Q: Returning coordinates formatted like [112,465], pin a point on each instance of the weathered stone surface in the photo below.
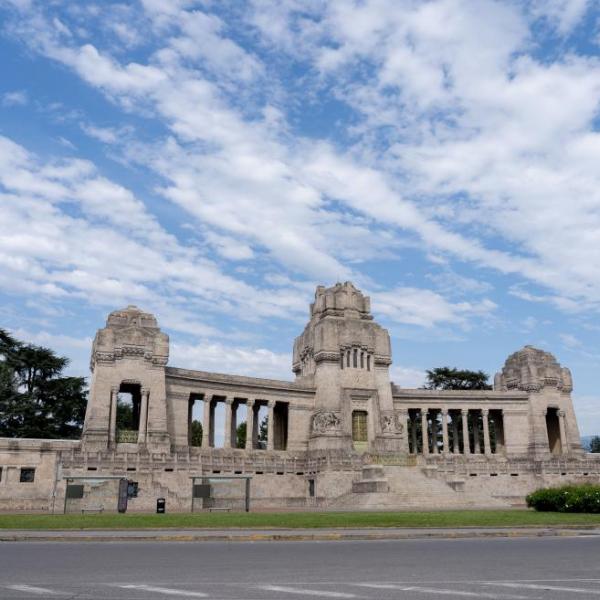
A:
[339,435]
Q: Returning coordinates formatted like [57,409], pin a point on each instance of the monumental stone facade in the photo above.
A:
[341,435]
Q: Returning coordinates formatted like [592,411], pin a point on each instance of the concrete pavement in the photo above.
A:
[504,569]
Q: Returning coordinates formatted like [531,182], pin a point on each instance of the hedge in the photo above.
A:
[569,498]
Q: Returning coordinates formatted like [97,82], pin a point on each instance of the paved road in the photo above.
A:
[506,569]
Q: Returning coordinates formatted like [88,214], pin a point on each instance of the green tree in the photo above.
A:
[263,432]
[196,433]
[36,400]
[446,378]
[595,444]
[240,435]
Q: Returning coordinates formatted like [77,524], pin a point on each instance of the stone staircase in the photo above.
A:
[372,480]
[410,488]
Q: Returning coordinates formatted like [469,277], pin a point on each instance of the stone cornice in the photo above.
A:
[253,386]
[407,394]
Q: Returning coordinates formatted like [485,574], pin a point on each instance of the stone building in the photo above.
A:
[341,435]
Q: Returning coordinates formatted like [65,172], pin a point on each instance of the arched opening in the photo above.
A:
[196,426]
[129,401]
[553,429]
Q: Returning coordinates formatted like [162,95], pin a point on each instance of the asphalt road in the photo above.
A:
[506,569]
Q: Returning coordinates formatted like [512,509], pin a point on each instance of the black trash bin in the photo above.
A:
[160,505]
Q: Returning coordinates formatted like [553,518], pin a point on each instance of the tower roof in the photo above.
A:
[341,300]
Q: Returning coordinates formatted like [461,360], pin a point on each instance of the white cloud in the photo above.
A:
[570,341]
[407,377]
[108,135]
[426,308]
[220,358]
[16,98]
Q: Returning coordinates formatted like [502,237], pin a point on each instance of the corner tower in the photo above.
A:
[346,356]
[129,356]
[553,426]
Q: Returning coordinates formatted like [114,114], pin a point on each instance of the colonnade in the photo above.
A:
[231,405]
[463,431]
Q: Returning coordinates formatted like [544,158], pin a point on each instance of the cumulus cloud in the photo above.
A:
[451,134]
[221,358]
[426,308]
[16,98]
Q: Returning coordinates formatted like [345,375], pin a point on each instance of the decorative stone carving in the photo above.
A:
[531,370]
[387,424]
[399,420]
[325,422]
[132,334]
[392,423]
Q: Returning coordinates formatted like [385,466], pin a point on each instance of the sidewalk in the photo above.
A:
[260,535]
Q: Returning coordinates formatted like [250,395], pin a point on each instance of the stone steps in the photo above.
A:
[409,488]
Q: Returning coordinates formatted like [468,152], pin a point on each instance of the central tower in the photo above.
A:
[346,356]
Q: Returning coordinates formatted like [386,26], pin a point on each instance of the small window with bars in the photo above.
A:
[359,426]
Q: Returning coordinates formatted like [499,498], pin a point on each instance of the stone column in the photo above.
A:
[143,416]
[434,432]
[112,426]
[255,427]
[465,427]
[487,447]
[445,449]
[455,444]
[424,431]
[563,432]
[271,426]
[250,424]
[206,422]
[228,413]
[476,444]
[413,433]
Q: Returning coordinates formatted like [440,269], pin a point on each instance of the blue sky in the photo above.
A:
[212,162]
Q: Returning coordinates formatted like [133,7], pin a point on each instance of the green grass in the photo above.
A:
[471,518]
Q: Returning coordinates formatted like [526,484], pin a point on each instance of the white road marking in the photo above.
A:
[443,592]
[293,590]
[162,590]
[31,589]
[549,588]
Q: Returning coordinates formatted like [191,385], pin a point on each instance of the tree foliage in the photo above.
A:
[263,432]
[595,444]
[240,435]
[36,401]
[196,433]
[447,378]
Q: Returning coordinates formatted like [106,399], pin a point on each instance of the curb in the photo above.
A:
[303,537]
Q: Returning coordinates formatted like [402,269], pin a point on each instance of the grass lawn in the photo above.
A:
[470,518]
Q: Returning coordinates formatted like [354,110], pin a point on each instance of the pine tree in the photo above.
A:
[447,378]
[36,401]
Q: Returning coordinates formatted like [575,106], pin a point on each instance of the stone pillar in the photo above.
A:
[465,427]
[143,416]
[455,444]
[563,432]
[424,431]
[206,424]
[446,449]
[413,433]
[271,426]
[112,426]
[487,447]
[476,444]
[255,427]
[228,413]
[434,432]
[250,424]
